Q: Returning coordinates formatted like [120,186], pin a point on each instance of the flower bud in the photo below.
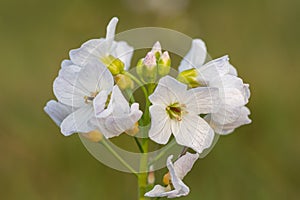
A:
[156,50]
[189,77]
[124,81]
[149,67]
[167,178]
[93,136]
[164,64]
[139,67]
[151,176]
[115,65]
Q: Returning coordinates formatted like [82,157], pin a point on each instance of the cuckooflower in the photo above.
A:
[177,171]
[219,73]
[77,87]
[118,117]
[176,110]
[106,50]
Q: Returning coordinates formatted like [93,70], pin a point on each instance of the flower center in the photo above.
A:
[89,99]
[176,110]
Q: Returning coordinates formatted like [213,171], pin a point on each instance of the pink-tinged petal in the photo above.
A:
[193,132]
[160,130]
[202,100]
[195,57]
[168,91]
[184,164]
[77,122]
[57,111]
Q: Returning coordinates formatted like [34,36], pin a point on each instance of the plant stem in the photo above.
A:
[109,148]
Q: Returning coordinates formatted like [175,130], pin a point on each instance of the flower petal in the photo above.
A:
[110,30]
[122,51]
[65,88]
[57,111]
[160,130]
[168,91]
[77,122]
[180,188]
[91,49]
[195,57]
[184,164]
[213,70]
[228,128]
[193,132]
[118,117]
[202,100]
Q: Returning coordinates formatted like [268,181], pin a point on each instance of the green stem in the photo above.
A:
[109,148]
[139,144]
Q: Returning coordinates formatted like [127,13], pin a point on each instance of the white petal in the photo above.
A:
[57,111]
[232,70]
[118,116]
[157,191]
[179,187]
[193,132]
[213,70]
[100,101]
[168,91]
[95,77]
[184,164]
[65,87]
[66,63]
[160,130]
[225,129]
[195,57]
[77,122]
[202,100]
[93,49]
[111,29]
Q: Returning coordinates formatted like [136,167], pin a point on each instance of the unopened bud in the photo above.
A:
[115,65]
[156,50]
[167,178]
[139,67]
[93,136]
[124,81]
[150,67]
[189,77]
[151,176]
[133,130]
[164,64]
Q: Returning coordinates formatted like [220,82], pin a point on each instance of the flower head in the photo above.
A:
[218,73]
[177,171]
[176,110]
[77,87]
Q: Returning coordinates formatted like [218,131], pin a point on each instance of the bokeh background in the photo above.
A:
[258,161]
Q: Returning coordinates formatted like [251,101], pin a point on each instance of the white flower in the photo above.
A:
[102,48]
[175,187]
[219,73]
[176,110]
[117,117]
[77,87]
[57,111]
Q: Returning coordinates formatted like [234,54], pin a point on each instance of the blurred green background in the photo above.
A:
[258,161]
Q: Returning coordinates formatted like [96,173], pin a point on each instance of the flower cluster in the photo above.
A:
[203,100]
